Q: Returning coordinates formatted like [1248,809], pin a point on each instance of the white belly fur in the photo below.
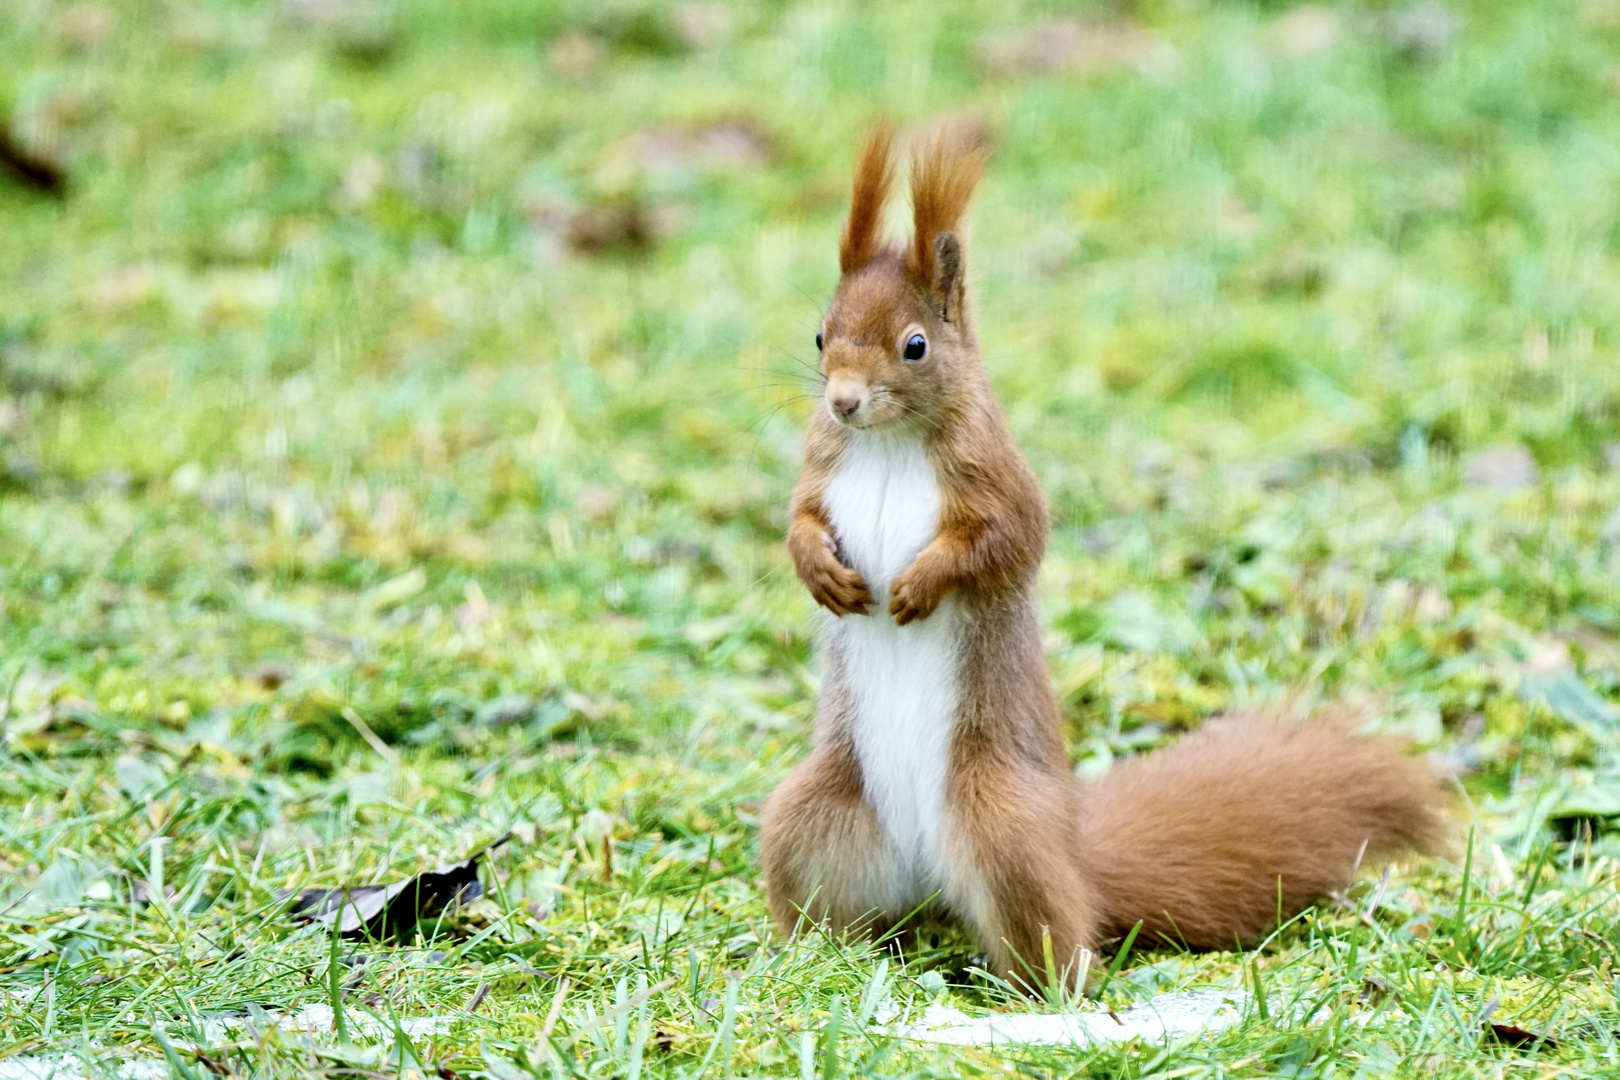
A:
[884,508]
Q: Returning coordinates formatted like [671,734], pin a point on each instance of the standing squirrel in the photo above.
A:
[938,771]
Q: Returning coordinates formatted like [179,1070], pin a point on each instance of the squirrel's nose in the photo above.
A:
[844,404]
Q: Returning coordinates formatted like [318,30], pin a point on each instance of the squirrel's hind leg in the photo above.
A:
[1013,876]
[826,857]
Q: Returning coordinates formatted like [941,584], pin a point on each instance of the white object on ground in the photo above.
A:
[73,1067]
[314,1020]
[317,1020]
[1158,1019]
[1164,1017]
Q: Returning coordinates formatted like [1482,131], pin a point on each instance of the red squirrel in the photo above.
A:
[938,773]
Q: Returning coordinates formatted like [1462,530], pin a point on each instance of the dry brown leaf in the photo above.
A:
[389,911]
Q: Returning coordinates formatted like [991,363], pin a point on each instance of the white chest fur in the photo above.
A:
[884,508]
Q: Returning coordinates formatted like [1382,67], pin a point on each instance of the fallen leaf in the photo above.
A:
[390,911]
[270,675]
[28,168]
[627,224]
[1513,1035]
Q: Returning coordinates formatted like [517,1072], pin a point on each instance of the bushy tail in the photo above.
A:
[1193,839]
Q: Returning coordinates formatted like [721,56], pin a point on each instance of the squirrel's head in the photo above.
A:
[897,342]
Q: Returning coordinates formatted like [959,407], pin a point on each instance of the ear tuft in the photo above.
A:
[874,173]
[944,171]
[948,283]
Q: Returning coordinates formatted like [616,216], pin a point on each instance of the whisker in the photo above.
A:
[758,428]
[806,391]
[774,371]
[797,359]
[798,380]
[768,417]
[820,305]
[929,420]
[792,399]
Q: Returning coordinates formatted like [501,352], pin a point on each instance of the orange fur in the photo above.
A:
[944,171]
[874,174]
[1206,840]
[1192,840]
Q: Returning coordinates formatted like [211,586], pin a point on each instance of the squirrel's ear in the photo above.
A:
[874,171]
[949,285]
[944,171]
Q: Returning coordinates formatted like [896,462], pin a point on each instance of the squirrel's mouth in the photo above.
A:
[875,417]
[875,408]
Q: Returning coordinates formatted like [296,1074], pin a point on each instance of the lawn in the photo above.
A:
[398,406]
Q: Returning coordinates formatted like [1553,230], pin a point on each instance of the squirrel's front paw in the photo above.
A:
[839,589]
[917,592]
[833,585]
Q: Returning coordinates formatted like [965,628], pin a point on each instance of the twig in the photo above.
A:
[556,1010]
[370,736]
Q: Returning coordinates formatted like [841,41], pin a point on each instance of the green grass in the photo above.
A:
[308,408]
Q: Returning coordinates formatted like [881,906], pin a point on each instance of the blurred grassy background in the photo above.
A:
[437,370]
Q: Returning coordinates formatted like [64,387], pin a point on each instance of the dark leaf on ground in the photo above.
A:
[28,168]
[388,911]
[1512,1035]
[629,224]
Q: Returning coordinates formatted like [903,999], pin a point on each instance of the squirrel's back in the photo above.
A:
[1193,839]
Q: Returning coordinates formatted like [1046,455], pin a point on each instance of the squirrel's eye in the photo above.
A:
[818,341]
[916,347]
